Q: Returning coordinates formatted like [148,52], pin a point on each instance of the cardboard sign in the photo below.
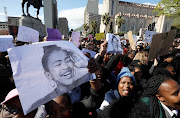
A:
[92,53]
[53,35]
[27,34]
[131,39]
[56,67]
[114,44]
[75,38]
[161,43]
[148,36]
[6,41]
[100,36]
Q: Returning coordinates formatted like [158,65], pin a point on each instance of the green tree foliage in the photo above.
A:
[119,21]
[86,27]
[106,20]
[93,25]
[170,8]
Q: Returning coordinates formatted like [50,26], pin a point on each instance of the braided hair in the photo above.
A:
[151,89]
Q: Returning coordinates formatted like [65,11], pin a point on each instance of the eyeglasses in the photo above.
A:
[9,111]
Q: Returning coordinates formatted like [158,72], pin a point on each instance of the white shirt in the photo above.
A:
[171,112]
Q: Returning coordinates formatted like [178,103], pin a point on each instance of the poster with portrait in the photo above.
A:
[27,34]
[148,36]
[53,35]
[6,41]
[161,43]
[92,53]
[43,71]
[114,44]
[75,38]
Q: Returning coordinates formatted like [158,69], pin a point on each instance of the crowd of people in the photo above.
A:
[127,85]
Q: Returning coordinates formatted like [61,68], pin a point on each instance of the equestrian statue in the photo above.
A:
[35,3]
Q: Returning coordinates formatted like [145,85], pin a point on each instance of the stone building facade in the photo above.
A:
[91,13]
[136,15]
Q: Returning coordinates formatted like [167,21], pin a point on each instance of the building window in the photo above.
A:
[124,27]
[166,27]
[144,12]
[136,12]
[141,25]
[112,9]
[132,26]
[129,10]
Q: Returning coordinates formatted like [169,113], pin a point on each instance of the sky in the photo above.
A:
[73,10]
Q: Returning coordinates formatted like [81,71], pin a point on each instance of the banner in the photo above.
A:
[56,67]
[161,43]
[27,34]
[100,36]
[75,38]
[53,35]
[6,41]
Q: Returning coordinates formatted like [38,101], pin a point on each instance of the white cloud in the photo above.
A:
[147,3]
[75,16]
[2,14]
[2,17]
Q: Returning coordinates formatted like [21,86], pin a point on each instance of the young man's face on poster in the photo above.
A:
[61,66]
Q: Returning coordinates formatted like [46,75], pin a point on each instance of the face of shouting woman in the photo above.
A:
[125,86]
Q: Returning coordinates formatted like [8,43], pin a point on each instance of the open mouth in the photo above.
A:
[66,73]
[126,91]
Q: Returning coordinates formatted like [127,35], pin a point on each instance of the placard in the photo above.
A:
[53,35]
[131,39]
[148,36]
[75,38]
[6,41]
[52,69]
[27,34]
[100,36]
[161,43]
[114,44]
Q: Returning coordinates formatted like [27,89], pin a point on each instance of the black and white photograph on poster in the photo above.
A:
[57,67]
[114,44]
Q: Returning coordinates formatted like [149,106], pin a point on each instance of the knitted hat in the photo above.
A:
[125,72]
